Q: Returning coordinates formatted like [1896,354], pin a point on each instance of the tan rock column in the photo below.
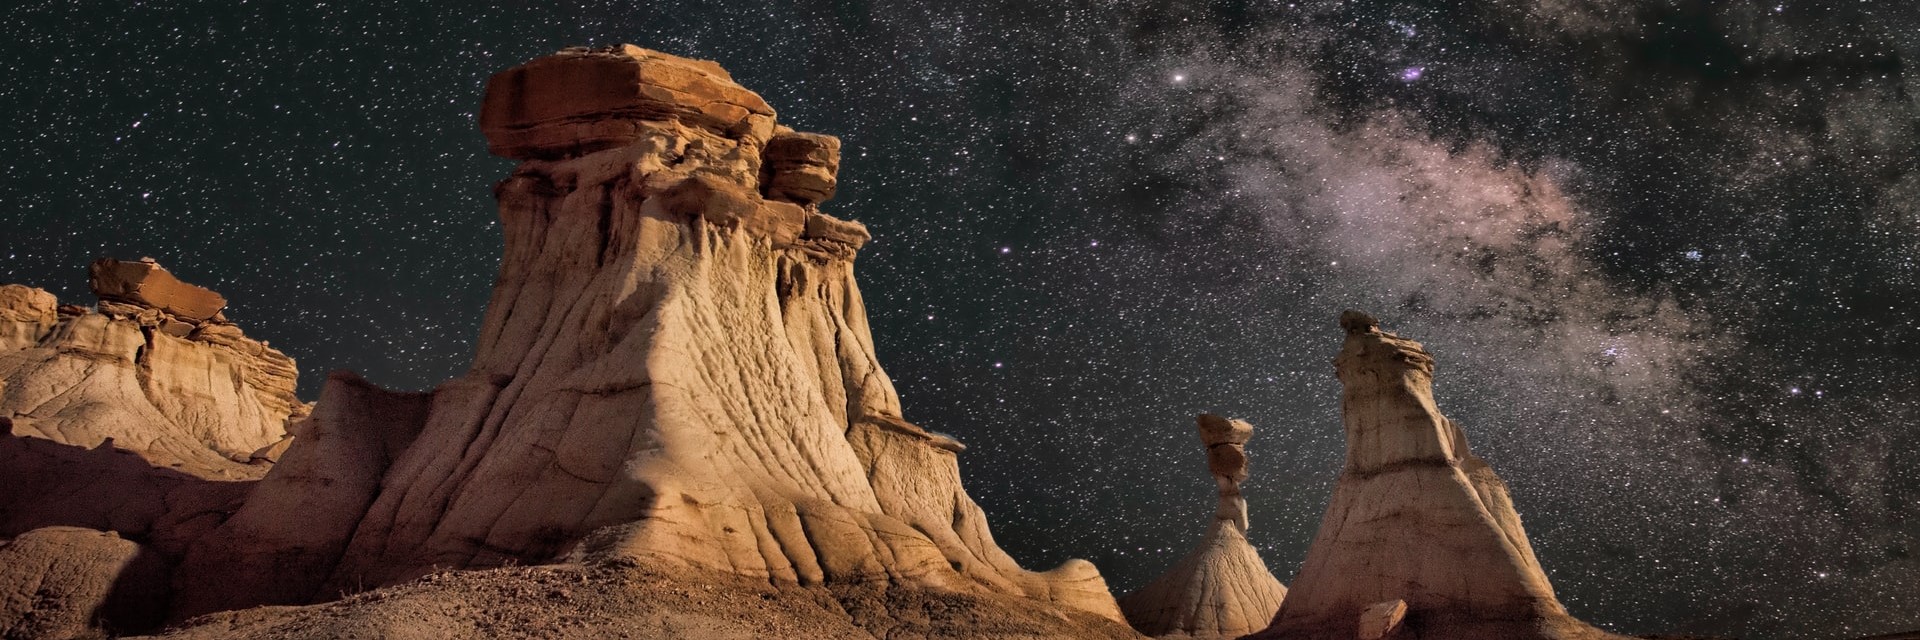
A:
[1221,589]
[1421,539]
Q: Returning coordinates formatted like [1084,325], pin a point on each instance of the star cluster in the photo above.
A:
[1666,253]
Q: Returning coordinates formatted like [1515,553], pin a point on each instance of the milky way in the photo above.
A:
[1665,253]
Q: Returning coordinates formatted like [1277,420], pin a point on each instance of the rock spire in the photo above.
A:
[1221,589]
[1421,539]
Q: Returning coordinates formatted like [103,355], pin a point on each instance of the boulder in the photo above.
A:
[65,582]
[583,100]
[1222,589]
[1421,539]
[26,315]
[802,168]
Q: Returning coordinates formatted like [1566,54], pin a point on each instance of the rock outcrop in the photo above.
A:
[127,431]
[283,543]
[66,582]
[1421,539]
[1222,589]
[155,368]
[143,283]
[674,370]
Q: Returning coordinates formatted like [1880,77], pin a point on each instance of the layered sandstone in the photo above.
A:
[1421,539]
[127,431]
[155,368]
[675,370]
[1221,589]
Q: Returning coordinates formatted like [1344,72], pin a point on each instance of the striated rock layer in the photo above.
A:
[154,368]
[1222,589]
[127,431]
[675,369]
[1421,539]
[130,417]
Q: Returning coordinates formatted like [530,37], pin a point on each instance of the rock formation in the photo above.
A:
[156,368]
[1222,589]
[675,370]
[137,416]
[64,582]
[127,431]
[1421,539]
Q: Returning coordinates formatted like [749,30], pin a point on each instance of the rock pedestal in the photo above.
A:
[674,369]
[1421,539]
[1222,589]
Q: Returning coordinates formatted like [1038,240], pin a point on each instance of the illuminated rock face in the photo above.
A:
[1421,539]
[155,369]
[675,368]
[1221,589]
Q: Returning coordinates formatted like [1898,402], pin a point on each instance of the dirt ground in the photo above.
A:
[569,601]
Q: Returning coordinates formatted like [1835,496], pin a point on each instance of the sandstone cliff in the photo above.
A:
[1421,539]
[1222,589]
[675,370]
[143,415]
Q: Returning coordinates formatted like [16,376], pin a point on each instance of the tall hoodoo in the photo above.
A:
[1421,539]
[1221,589]
[675,367]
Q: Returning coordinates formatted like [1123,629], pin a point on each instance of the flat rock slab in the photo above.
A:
[583,100]
[147,284]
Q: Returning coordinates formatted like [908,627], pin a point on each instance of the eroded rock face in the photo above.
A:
[285,541]
[26,315]
[66,582]
[675,369]
[155,369]
[1421,539]
[1222,589]
[140,420]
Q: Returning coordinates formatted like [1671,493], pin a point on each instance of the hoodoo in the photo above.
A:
[675,370]
[127,431]
[1421,539]
[1222,589]
[155,368]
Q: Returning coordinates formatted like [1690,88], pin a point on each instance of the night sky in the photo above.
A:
[1666,253]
